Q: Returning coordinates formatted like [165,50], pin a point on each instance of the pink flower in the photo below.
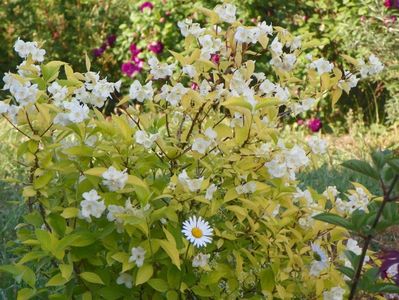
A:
[300,122]
[155,47]
[388,3]
[134,50]
[131,68]
[215,58]
[194,86]
[314,124]
[145,5]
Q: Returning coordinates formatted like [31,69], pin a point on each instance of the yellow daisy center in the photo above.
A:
[196,232]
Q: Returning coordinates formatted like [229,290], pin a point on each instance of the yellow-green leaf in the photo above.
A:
[172,252]
[144,274]
[91,277]
[56,280]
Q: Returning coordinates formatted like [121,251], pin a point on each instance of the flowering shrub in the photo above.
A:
[186,189]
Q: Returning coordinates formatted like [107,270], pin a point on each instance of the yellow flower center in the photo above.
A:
[196,232]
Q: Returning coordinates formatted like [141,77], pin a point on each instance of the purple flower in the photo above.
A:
[155,47]
[111,39]
[390,265]
[97,52]
[314,124]
[145,5]
[215,58]
[104,46]
[134,50]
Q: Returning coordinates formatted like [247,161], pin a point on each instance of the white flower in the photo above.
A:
[138,254]
[322,66]
[321,262]
[200,145]
[277,167]
[318,145]
[373,67]
[210,133]
[336,293]
[145,139]
[276,46]
[263,150]
[209,46]
[24,93]
[160,70]
[24,49]
[113,211]
[295,43]
[247,35]
[200,260]
[209,191]
[282,93]
[331,190]
[187,27]
[125,279]
[357,200]
[173,95]
[286,63]
[59,92]
[349,82]
[114,179]
[190,70]
[265,29]
[197,231]
[267,87]
[304,195]
[226,12]
[90,206]
[204,88]
[193,184]
[247,188]
[4,107]
[77,112]
[141,92]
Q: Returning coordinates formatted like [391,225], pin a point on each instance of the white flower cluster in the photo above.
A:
[322,66]
[209,45]
[287,162]
[349,82]
[193,185]
[187,27]
[24,49]
[58,92]
[145,139]
[173,95]
[270,89]
[373,67]
[76,112]
[357,200]
[303,106]
[91,206]
[226,12]
[210,191]
[141,92]
[160,70]
[115,180]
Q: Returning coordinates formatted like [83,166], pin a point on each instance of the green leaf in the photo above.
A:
[42,181]
[172,252]
[361,167]
[56,280]
[66,271]
[144,274]
[334,220]
[346,271]
[95,171]
[267,281]
[158,284]
[20,272]
[91,277]
[25,294]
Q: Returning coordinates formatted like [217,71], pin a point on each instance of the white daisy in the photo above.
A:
[197,231]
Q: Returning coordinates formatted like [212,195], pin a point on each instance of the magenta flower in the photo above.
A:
[97,52]
[390,265]
[300,122]
[215,58]
[314,124]
[134,50]
[111,39]
[155,47]
[388,3]
[145,5]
